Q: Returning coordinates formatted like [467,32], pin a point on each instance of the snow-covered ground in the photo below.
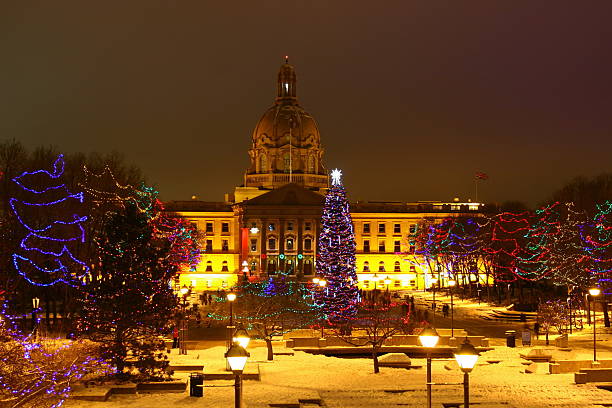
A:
[349,383]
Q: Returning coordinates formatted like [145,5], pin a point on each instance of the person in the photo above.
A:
[536,330]
[175,337]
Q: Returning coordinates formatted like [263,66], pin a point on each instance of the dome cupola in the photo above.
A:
[286,146]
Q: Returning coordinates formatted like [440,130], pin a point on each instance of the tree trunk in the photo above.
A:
[547,337]
[270,351]
[604,306]
[375,359]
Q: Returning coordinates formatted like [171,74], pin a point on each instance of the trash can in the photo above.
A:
[510,338]
[196,379]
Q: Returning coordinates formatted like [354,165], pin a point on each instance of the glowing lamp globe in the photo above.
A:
[387,281]
[429,337]
[236,357]
[375,278]
[452,283]
[594,291]
[466,356]
[241,337]
[315,280]
[184,290]
[322,282]
[231,297]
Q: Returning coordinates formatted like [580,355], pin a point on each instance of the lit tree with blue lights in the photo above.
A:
[52,220]
[336,256]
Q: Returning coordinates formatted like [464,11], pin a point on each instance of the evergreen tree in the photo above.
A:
[336,256]
[129,301]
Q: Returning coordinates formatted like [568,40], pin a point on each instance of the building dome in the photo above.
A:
[286,140]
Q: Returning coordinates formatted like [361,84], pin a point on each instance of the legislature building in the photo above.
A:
[271,222]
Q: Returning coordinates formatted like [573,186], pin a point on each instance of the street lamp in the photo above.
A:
[429,338]
[35,304]
[594,292]
[231,297]
[183,335]
[433,303]
[241,337]
[387,282]
[466,356]
[236,359]
[451,285]
[375,278]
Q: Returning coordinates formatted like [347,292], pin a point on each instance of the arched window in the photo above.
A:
[290,244]
[224,267]
[381,266]
[263,163]
[366,266]
[287,165]
[308,267]
[272,244]
[396,266]
[271,267]
[208,266]
[307,244]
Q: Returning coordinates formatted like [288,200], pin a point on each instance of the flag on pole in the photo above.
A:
[481,176]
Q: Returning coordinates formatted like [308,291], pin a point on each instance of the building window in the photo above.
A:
[224,245]
[253,245]
[224,267]
[381,246]
[308,267]
[412,248]
[209,245]
[271,267]
[253,266]
[397,228]
[397,246]
[289,226]
[208,266]
[271,226]
[396,266]
[413,229]
[224,284]
[208,283]
[209,227]
[366,284]
[381,266]
[366,245]
[412,268]
[289,270]
[396,284]
[366,266]
[225,227]
[272,244]
[289,244]
[412,283]
[381,228]
[307,244]
[307,226]
[366,227]
[194,225]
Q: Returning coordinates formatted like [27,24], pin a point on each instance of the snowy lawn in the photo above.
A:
[351,383]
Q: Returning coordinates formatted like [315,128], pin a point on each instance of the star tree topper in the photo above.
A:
[336,175]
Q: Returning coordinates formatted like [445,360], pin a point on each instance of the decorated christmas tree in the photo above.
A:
[336,256]
[129,302]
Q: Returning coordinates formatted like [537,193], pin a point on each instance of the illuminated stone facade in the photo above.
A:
[271,223]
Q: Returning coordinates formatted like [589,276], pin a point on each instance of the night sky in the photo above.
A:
[411,97]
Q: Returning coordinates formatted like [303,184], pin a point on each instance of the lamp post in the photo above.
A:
[429,338]
[451,285]
[183,335]
[375,279]
[236,357]
[466,356]
[241,336]
[35,304]
[594,292]
[231,297]
[433,303]
[322,283]
[387,282]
